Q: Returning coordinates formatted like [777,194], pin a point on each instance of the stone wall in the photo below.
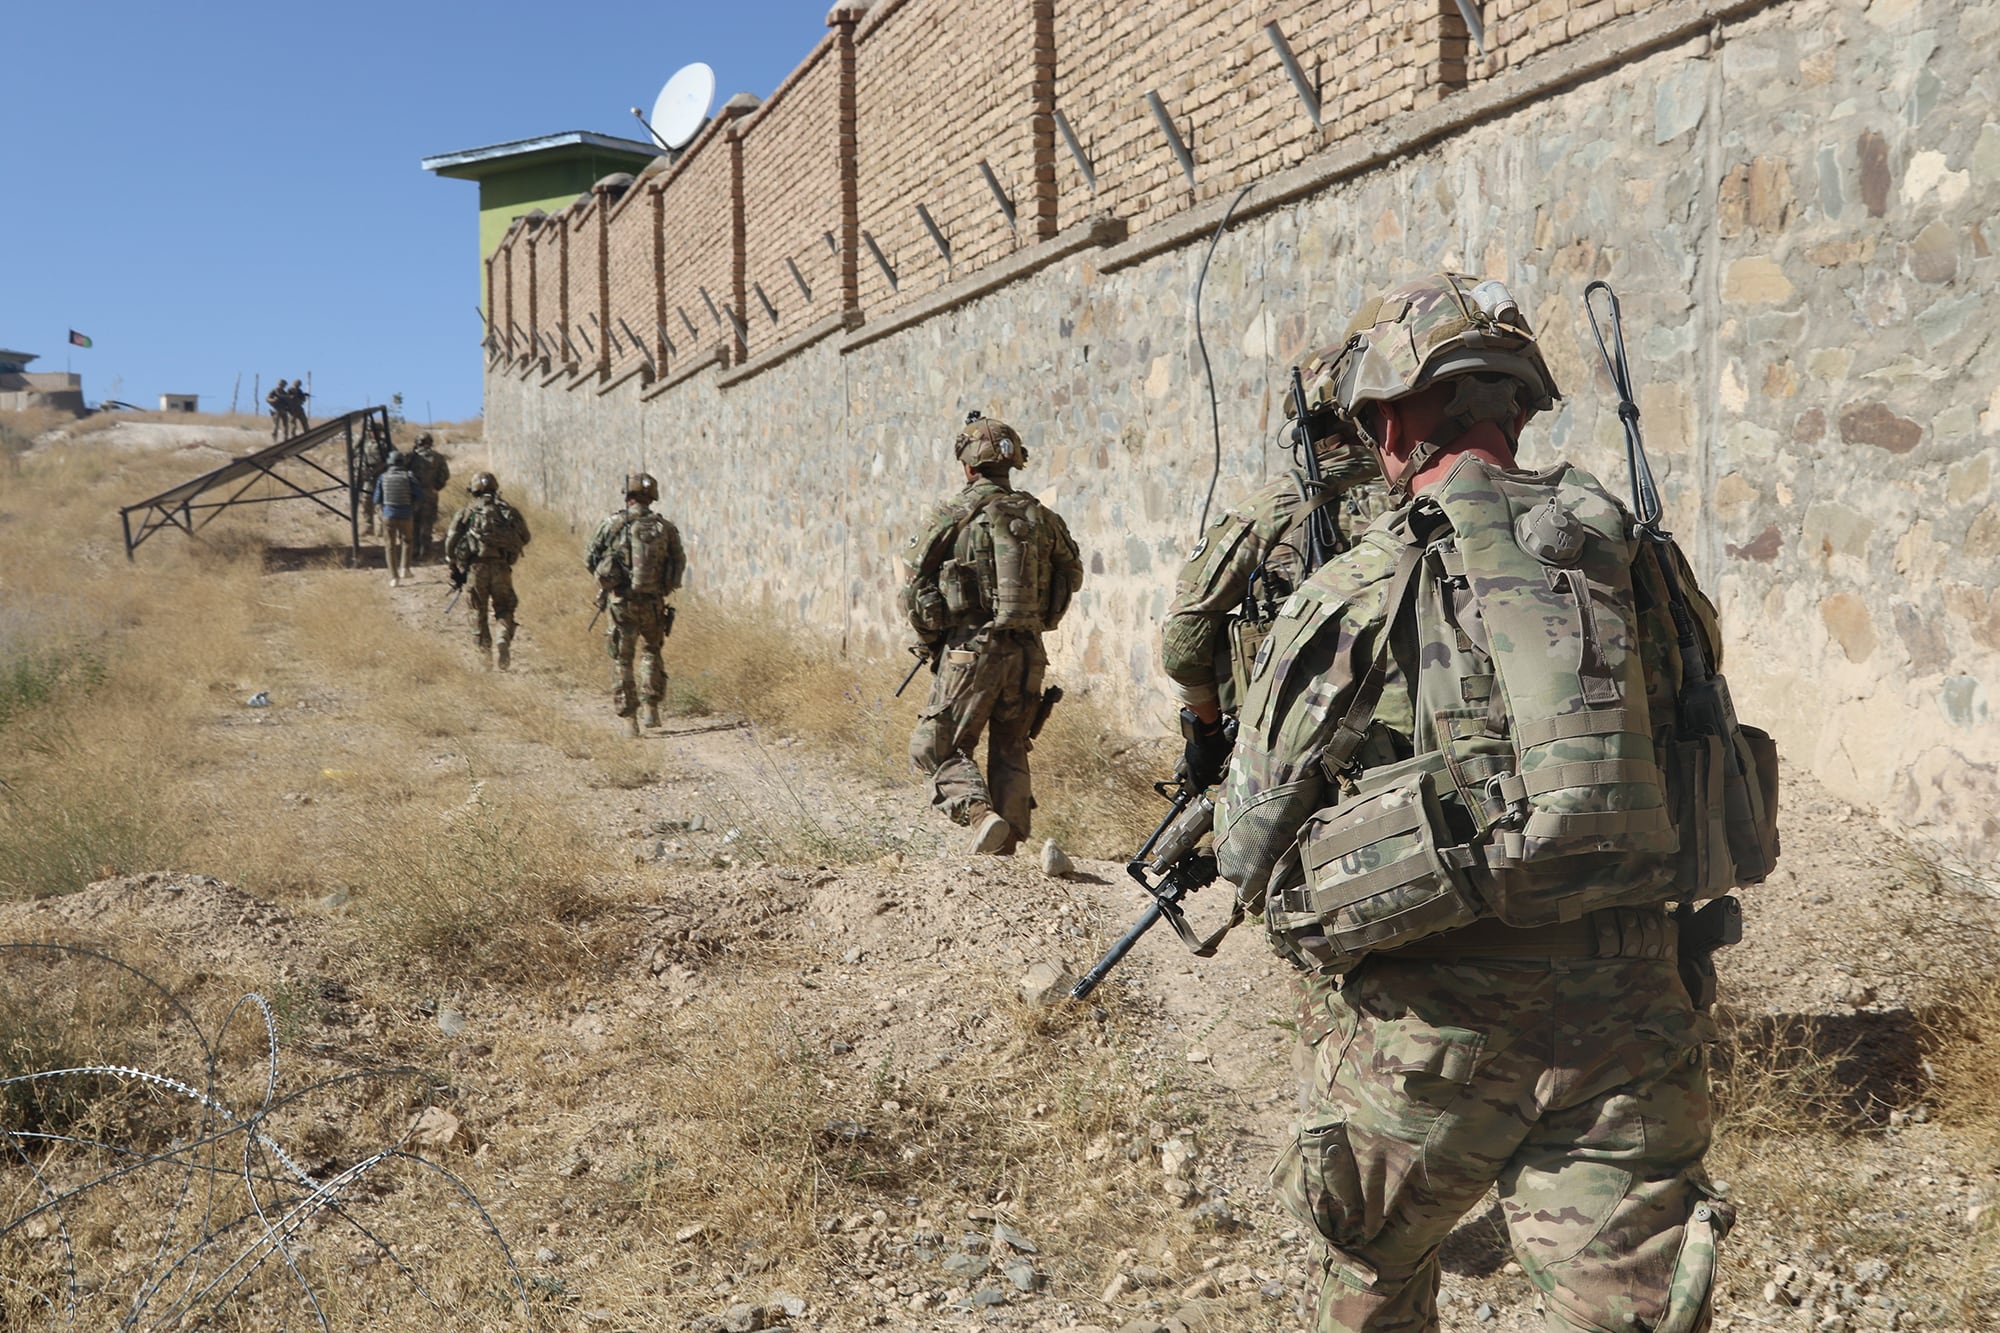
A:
[1795,201]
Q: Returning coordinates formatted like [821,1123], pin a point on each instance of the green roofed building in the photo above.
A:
[546,173]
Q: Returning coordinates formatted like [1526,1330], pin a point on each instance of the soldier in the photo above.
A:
[1245,566]
[1445,802]
[374,458]
[482,543]
[637,557]
[281,417]
[435,473]
[991,570]
[397,493]
[296,408]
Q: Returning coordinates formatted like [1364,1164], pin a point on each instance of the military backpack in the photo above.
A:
[1552,774]
[493,531]
[1003,569]
[646,550]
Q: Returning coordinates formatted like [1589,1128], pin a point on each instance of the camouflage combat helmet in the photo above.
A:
[985,441]
[423,439]
[483,483]
[394,458]
[642,485]
[1433,329]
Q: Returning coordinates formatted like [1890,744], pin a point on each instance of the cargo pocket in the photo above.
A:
[1316,1180]
[1694,1268]
[954,680]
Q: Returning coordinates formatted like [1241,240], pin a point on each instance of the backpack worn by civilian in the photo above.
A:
[1549,773]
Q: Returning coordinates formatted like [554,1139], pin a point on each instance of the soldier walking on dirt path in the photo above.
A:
[482,543]
[638,560]
[397,493]
[991,570]
[1447,801]
[432,470]
[1242,569]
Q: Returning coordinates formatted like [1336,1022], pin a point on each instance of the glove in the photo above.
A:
[1208,747]
[458,576]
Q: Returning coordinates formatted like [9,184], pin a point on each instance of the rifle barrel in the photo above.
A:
[1116,953]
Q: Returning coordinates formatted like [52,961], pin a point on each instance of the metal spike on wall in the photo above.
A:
[665,341]
[1076,151]
[1174,140]
[1469,11]
[799,278]
[709,301]
[637,345]
[693,332]
[832,245]
[1308,93]
[868,239]
[937,237]
[999,195]
[765,301]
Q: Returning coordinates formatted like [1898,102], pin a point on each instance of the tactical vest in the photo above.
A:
[647,544]
[1003,570]
[1536,792]
[397,488]
[493,532]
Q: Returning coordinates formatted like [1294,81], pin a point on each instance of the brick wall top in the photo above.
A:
[791,204]
[936,95]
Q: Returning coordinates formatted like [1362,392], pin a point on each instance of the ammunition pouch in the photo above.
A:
[1382,869]
[958,583]
[1723,791]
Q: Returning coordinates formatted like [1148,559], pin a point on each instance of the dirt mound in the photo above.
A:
[205,923]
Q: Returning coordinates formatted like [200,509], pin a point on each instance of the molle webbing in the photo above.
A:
[1563,637]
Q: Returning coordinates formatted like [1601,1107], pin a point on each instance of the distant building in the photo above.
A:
[546,173]
[178,402]
[22,389]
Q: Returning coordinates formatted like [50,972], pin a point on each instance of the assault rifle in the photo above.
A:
[1169,867]
[603,600]
[1322,536]
[457,590]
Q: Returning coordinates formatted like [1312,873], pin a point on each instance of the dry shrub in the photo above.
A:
[491,889]
[755,1134]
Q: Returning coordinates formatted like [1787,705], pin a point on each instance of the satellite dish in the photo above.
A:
[682,106]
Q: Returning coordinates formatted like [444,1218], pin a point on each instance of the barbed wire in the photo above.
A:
[236,1207]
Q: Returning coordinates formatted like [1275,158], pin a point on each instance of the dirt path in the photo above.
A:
[760,882]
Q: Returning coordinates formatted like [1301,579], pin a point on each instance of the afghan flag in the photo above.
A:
[77,339]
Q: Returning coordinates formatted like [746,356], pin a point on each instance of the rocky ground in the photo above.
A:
[764,888]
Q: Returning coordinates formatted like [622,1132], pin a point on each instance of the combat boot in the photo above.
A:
[632,723]
[991,834]
[486,655]
[506,654]
[652,715]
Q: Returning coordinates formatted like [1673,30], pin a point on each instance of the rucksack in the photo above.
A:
[1552,775]
[650,554]
[1006,552]
[493,531]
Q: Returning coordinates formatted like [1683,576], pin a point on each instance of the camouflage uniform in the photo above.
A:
[639,620]
[295,407]
[485,539]
[430,466]
[374,459]
[281,417]
[1249,560]
[1560,1061]
[988,671]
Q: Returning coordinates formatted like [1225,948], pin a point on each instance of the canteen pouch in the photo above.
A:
[1382,869]
[1727,821]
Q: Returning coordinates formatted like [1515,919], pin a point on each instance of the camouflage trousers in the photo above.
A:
[491,581]
[1578,1088]
[991,684]
[424,527]
[397,534]
[637,622]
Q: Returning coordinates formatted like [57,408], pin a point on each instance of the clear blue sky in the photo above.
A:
[220,187]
